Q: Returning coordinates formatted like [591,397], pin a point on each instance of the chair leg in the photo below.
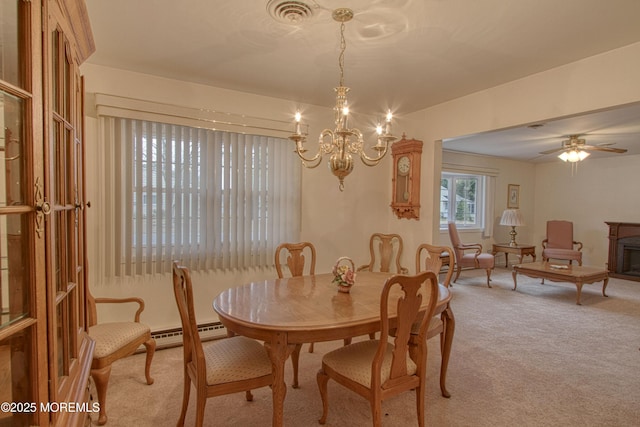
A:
[446,338]
[323,379]
[101,378]
[311,348]
[150,345]
[295,357]
[248,396]
[376,412]
[185,397]
[488,277]
[420,403]
[201,401]
[458,270]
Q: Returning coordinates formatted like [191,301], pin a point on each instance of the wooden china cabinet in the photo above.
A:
[45,354]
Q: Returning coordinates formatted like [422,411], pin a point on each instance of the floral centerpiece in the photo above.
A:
[344,274]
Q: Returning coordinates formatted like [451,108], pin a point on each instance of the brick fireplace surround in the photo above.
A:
[624,250]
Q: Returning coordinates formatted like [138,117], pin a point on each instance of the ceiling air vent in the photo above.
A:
[289,11]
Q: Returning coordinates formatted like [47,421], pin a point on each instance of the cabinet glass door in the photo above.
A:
[23,368]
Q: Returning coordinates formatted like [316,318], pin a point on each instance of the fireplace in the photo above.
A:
[624,250]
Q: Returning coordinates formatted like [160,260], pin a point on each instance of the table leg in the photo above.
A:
[279,350]
[579,293]
[515,283]
[604,286]
[506,259]
[449,328]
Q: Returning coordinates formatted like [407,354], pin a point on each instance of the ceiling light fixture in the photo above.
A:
[343,141]
[573,155]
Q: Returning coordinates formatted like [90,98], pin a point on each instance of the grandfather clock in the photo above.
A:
[405,201]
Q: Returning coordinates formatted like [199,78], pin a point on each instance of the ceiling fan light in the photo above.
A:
[573,156]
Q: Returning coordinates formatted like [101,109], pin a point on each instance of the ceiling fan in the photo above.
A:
[576,148]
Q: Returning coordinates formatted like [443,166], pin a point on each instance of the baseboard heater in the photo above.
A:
[173,337]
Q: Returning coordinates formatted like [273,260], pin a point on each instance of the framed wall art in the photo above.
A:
[513,196]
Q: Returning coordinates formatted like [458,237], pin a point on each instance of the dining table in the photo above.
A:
[285,312]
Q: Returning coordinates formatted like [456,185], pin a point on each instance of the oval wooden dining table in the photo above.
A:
[291,311]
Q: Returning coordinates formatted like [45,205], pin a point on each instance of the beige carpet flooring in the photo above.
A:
[526,358]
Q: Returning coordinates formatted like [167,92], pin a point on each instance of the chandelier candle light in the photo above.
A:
[514,218]
[343,141]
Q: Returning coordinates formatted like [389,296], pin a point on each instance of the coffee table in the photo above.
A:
[577,274]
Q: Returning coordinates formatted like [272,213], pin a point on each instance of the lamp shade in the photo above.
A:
[512,217]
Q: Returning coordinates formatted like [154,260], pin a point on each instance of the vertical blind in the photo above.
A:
[211,199]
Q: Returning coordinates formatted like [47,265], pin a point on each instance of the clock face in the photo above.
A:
[404,164]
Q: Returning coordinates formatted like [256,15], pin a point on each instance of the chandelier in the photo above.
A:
[342,142]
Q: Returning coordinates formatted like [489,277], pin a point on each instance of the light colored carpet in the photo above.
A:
[528,358]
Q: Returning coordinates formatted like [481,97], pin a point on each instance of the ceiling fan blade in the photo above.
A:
[604,148]
[555,150]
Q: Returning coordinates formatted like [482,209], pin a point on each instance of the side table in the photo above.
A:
[519,250]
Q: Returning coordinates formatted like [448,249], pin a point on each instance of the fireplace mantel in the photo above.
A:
[621,233]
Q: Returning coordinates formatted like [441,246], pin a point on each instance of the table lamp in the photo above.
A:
[512,217]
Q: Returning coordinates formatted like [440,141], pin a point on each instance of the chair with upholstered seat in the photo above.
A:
[222,366]
[475,259]
[296,262]
[379,369]
[296,259]
[115,340]
[430,258]
[386,251]
[559,243]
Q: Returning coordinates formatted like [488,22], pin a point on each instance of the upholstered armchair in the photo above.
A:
[115,340]
[559,243]
[464,258]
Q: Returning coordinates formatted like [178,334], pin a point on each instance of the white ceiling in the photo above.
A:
[405,55]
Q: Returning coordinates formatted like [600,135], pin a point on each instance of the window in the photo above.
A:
[211,199]
[462,200]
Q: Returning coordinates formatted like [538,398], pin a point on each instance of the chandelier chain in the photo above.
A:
[343,47]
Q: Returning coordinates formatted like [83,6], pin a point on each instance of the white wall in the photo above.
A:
[600,190]
[340,223]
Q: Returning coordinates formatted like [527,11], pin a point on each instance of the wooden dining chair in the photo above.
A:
[296,259]
[379,369]
[115,340]
[386,251]
[222,366]
[430,258]
[296,262]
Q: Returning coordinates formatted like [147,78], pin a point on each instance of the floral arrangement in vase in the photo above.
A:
[344,274]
